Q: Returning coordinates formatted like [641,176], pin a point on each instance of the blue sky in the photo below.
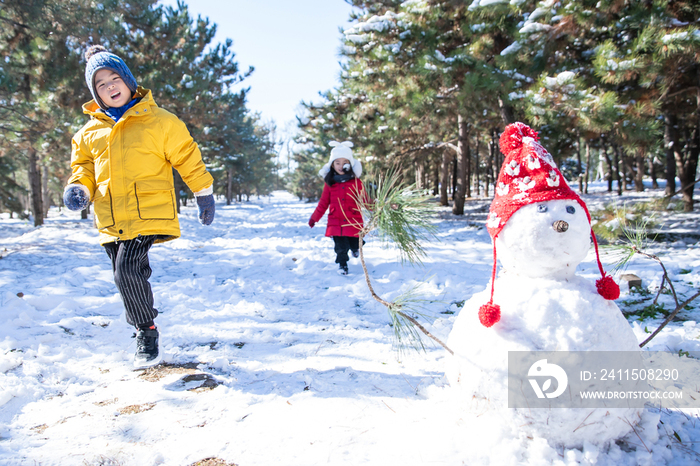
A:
[293,45]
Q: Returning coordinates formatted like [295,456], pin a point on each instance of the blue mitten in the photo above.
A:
[206,207]
[76,197]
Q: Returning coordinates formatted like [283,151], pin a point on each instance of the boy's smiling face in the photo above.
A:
[111,88]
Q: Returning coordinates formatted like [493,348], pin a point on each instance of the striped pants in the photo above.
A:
[131,274]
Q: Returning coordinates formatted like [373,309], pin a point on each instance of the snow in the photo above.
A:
[415,6]
[357,38]
[485,3]
[531,28]
[512,48]
[565,77]
[677,37]
[393,48]
[271,357]
[374,23]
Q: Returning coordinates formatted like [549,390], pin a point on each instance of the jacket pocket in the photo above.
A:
[155,200]
[104,217]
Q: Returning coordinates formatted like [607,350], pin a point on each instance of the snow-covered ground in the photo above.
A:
[270,357]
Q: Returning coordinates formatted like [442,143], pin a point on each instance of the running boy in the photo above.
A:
[122,161]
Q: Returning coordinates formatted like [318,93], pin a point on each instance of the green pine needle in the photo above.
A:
[411,304]
[401,215]
[635,238]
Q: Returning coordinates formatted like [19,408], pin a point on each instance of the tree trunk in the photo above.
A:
[618,175]
[45,194]
[419,167]
[436,177]
[672,146]
[579,167]
[507,114]
[426,172]
[476,167]
[35,188]
[588,167]
[468,173]
[652,173]
[454,176]
[462,161]
[627,168]
[608,164]
[229,186]
[491,165]
[639,176]
[496,157]
[445,169]
[687,168]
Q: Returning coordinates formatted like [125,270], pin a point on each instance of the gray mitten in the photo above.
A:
[206,207]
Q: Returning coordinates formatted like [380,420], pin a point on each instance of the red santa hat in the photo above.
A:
[529,175]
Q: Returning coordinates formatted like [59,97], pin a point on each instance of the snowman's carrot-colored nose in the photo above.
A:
[560,226]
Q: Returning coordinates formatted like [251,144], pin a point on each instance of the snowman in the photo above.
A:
[541,231]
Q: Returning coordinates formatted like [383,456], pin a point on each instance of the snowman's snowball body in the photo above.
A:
[545,306]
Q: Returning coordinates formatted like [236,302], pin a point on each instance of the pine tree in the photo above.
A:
[35,86]
[653,58]
[42,85]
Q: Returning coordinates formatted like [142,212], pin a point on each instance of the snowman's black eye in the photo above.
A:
[541,208]
[570,209]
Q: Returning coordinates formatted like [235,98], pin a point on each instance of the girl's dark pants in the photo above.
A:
[343,244]
[131,274]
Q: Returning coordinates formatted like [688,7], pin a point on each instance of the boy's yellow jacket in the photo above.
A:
[127,166]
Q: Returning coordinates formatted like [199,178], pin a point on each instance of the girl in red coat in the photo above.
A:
[340,193]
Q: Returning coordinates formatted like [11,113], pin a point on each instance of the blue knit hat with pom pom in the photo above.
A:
[98,58]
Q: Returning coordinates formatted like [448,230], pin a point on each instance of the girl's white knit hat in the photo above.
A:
[341,150]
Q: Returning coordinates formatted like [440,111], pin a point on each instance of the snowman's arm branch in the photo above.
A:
[666,277]
[669,318]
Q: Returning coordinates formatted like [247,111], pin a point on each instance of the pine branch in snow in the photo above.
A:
[401,216]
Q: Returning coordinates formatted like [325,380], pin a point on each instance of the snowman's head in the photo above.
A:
[539,225]
[545,239]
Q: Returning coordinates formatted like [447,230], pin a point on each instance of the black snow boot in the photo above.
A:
[146,348]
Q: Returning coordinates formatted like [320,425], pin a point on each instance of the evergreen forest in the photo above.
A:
[427,86]
[42,89]
[612,87]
